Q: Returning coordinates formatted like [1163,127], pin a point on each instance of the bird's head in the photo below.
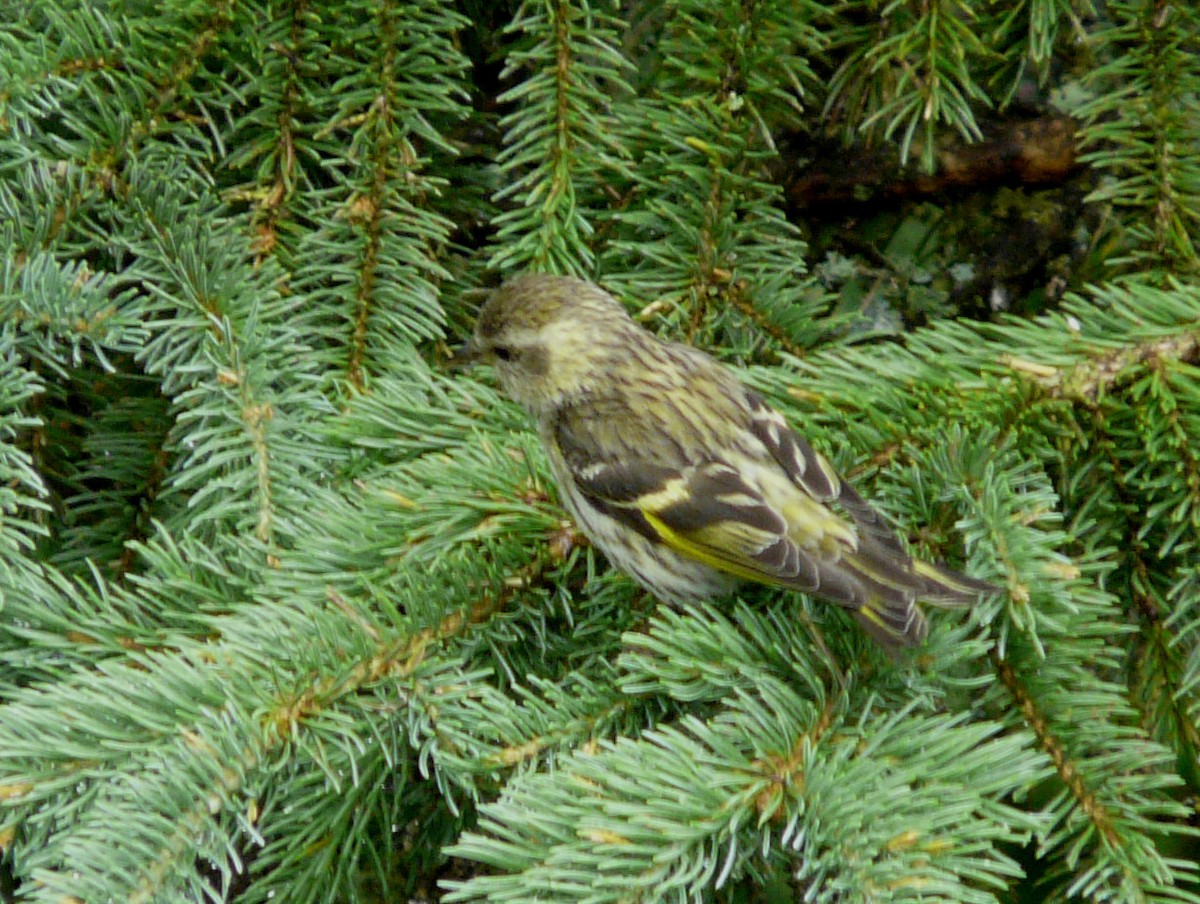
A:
[548,338]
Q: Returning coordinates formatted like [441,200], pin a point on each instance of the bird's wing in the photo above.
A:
[706,512]
[711,512]
[809,470]
[794,535]
[880,558]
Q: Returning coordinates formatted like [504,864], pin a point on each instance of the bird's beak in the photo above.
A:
[465,355]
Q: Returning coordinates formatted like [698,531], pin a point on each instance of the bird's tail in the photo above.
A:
[892,615]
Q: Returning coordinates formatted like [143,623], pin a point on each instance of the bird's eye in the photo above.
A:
[503,352]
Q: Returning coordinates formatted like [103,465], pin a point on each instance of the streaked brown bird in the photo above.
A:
[685,478]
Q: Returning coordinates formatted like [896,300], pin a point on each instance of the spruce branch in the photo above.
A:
[299,615]
[559,142]
[909,70]
[1139,127]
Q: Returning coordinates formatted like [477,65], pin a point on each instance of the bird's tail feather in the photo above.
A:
[893,624]
[891,614]
[942,587]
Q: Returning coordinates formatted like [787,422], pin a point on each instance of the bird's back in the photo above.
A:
[685,408]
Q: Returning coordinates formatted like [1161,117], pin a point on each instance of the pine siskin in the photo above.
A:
[685,478]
